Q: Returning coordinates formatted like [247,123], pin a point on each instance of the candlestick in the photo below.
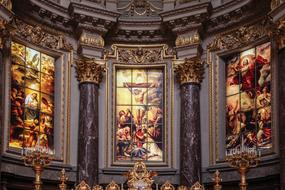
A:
[156,186]
[122,186]
[242,159]
[37,157]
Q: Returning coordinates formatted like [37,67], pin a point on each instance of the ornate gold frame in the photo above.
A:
[164,57]
[62,54]
[249,36]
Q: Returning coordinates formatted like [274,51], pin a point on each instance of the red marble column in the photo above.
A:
[89,74]
[190,75]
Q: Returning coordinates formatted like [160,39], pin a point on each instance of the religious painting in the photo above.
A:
[248,98]
[139,125]
[32,98]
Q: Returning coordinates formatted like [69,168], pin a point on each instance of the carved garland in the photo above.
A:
[37,35]
[187,40]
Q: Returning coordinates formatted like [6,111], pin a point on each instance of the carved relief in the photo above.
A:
[2,31]
[89,70]
[239,37]
[92,40]
[191,71]
[38,36]
[140,7]
[137,54]
[186,40]
[139,177]
[97,187]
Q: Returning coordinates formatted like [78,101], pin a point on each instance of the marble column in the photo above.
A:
[89,75]
[190,75]
[281,104]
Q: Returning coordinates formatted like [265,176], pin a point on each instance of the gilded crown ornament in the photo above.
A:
[190,71]
[167,186]
[182,187]
[197,186]
[83,186]
[112,186]
[139,177]
[89,70]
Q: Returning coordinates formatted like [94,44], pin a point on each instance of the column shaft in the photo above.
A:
[88,134]
[190,134]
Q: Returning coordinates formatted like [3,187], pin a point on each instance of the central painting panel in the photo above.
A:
[139,109]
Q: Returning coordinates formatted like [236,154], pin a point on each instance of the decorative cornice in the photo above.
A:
[140,54]
[89,70]
[91,40]
[36,35]
[187,40]
[190,71]
[276,30]
[238,37]
[140,8]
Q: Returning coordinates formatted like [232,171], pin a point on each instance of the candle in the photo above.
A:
[156,186]
[122,186]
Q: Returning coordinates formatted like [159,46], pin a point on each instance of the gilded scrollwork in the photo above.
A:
[190,71]
[139,177]
[237,38]
[97,187]
[92,40]
[138,54]
[187,40]
[89,70]
[36,35]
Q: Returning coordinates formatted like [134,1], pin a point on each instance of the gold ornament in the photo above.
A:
[63,178]
[83,186]
[89,70]
[197,186]
[97,187]
[217,180]
[191,71]
[167,186]
[139,177]
[187,40]
[112,186]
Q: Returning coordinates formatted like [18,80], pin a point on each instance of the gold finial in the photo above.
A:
[83,186]
[112,186]
[63,179]
[89,70]
[167,186]
[97,187]
[197,186]
[190,71]
[217,180]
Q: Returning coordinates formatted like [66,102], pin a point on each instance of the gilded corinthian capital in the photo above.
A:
[190,71]
[89,70]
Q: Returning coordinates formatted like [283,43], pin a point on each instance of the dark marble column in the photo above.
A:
[89,74]
[281,91]
[190,75]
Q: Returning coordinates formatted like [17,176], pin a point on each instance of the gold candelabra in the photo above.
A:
[63,179]
[243,159]
[217,180]
[37,157]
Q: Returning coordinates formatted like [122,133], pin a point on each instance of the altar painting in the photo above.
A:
[248,98]
[32,98]
[139,124]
